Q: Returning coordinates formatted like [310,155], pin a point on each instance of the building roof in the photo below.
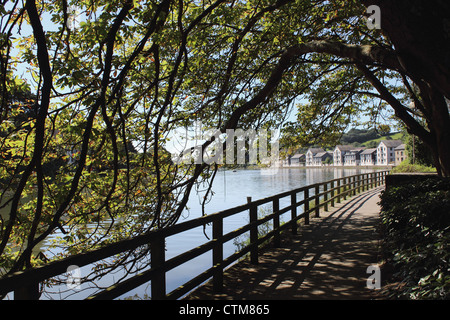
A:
[346,147]
[321,154]
[353,152]
[401,147]
[316,150]
[392,143]
[358,149]
[297,156]
[369,151]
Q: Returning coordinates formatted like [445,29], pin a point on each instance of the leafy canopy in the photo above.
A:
[91,91]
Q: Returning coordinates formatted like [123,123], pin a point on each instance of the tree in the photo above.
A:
[132,71]
[407,47]
[384,129]
[417,30]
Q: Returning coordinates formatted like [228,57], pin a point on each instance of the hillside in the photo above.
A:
[392,136]
[356,137]
[367,138]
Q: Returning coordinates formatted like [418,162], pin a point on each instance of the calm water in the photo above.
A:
[230,189]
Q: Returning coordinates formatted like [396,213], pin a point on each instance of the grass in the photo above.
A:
[393,136]
[407,167]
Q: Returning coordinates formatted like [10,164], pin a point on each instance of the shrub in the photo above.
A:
[416,226]
[406,166]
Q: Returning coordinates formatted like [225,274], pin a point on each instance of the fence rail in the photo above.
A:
[25,284]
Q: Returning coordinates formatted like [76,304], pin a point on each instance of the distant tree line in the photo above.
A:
[359,135]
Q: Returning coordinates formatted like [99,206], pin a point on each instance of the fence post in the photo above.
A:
[294,212]
[351,181]
[158,257]
[359,183]
[352,186]
[316,200]
[218,255]
[276,222]
[253,232]
[325,196]
[345,188]
[332,193]
[306,210]
[338,191]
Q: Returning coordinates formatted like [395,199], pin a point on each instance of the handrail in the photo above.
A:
[25,283]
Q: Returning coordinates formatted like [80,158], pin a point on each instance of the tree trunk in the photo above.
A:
[441,132]
[420,33]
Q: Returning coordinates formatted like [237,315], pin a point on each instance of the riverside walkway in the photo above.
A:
[328,259]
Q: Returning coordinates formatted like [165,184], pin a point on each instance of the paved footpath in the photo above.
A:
[328,259]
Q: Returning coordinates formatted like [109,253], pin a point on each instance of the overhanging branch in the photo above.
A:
[366,54]
[400,111]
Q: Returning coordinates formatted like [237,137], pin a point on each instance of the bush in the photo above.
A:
[406,166]
[416,225]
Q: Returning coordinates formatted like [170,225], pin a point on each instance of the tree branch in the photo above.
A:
[366,54]
[400,110]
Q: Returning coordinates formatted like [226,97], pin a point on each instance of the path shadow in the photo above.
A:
[326,260]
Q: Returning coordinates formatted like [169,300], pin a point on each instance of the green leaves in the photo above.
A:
[416,228]
[122,83]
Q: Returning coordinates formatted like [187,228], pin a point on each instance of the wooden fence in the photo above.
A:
[25,284]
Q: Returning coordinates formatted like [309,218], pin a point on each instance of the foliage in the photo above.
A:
[358,135]
[406,166]
[109,81]
[419,151]
[374,143]
[416,227]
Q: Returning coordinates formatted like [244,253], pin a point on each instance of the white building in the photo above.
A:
[339,154]
[320,158]
[386,152]
[353,157]
[297,160]
[369,157]
[310,156]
